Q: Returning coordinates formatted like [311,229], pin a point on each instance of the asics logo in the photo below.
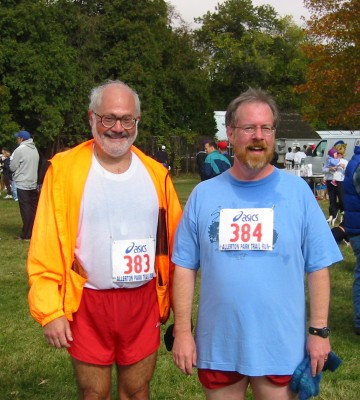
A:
[136,249]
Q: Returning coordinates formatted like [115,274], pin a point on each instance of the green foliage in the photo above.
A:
[8,126]
[53,52]
[39,67]
[247,46]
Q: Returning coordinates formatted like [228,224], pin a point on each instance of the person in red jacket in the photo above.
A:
[100,282]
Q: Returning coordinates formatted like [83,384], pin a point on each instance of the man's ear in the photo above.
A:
[230,134]
[91,117]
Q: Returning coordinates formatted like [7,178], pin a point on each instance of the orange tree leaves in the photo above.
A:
[332,80]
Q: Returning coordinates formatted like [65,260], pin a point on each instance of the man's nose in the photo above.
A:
[118,127]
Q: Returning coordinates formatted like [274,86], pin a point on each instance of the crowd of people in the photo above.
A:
[120,253]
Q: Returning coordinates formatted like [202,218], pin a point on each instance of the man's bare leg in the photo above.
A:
[263,389]
[134,380]
[94,381]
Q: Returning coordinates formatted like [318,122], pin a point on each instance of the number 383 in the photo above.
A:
[138,264]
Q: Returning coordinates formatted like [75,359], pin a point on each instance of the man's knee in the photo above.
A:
[94,381]
[135,392]
[134,380]
[265,388]
[90,394]
[135,389]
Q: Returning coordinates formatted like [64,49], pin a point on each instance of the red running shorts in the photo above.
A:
[213,379]
[116,325]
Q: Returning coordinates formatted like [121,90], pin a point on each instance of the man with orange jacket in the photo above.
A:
[99,262]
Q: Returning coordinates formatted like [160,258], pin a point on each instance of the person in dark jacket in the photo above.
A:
[223,149]
[215,163]
[7,174]
[200,160]
[162,157]
[352,223]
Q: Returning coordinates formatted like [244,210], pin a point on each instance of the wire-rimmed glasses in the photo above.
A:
[251,129]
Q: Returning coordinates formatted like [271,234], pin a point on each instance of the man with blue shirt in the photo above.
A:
[256,238]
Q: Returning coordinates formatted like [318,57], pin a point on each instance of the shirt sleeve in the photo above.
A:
[186,251]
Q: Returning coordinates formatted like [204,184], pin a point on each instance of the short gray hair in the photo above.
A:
[250,96]
[97,92]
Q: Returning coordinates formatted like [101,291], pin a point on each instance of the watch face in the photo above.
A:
[325,332]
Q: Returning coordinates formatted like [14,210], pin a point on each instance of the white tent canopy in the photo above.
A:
[220,125]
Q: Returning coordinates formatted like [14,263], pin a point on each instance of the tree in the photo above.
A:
[246,46]
[333,76]
[39,70]
[160,63]
[185,88]
[52,52]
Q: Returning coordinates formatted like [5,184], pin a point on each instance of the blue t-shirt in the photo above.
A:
[252,314]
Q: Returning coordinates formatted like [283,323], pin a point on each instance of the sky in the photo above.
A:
[189,9]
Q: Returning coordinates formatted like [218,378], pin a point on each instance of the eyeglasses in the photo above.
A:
[109,120]
[251,129]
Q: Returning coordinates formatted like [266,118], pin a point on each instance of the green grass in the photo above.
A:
[31,370]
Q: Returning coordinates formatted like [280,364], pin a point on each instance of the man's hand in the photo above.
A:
[184,352]
[58,333]
[318,349]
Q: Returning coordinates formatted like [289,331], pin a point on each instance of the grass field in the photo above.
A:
[31,370]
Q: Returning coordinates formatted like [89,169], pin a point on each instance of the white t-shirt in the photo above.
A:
[289,156]
[339,174]
[114,207]
[299,155]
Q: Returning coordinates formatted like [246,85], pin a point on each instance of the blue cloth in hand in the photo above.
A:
[304,383]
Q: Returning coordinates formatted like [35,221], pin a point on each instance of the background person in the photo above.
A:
[289,158]
[332,161]
[335,191]
[24,163]
[215,163]
[298,156]
[6,172]
[310,149]
[200,159]
[162,157]
[223,149]
[352,224]
[99,283]
[14,190]
[254,256]
[275,159]
[339,176]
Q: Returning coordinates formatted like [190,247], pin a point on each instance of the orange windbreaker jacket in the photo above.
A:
[56,280]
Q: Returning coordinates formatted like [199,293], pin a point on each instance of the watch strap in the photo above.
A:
[322,332]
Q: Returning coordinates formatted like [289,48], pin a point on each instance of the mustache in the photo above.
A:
[114,135]
[258,144]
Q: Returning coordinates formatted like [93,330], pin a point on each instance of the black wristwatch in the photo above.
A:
[322,332]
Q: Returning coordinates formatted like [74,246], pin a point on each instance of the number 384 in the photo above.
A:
[246,232]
